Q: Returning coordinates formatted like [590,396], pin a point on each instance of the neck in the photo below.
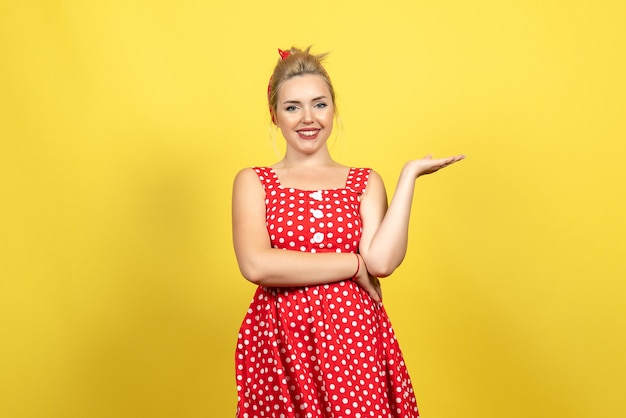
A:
[321,158]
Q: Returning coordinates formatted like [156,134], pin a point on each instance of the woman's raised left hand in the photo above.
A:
[429,165]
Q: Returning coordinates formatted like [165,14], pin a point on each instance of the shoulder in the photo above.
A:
[249,178]
[258,173]
[247,172]
[365,181]
[248,193]
[245,175]
[375,184]
[370,177]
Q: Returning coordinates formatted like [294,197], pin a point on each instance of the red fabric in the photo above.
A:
[319,351]
[283,54]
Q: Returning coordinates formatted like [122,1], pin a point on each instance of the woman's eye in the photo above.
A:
[290,108]
[321,105]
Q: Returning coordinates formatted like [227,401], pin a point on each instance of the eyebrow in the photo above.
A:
[298,101]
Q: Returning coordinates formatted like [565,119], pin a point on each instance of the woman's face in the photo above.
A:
[305,112]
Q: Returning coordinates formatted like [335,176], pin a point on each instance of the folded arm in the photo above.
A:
[264,265]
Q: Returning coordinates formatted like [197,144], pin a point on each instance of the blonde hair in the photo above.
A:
[298,62]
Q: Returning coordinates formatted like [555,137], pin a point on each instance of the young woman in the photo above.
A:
[315,236]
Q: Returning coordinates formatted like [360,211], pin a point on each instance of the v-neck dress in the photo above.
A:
[325,351]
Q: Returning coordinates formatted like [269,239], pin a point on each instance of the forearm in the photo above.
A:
[273,267]
[384,249]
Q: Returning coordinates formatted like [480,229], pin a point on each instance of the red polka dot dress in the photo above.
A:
[318,351]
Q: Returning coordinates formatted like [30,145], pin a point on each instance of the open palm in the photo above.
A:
[429,165]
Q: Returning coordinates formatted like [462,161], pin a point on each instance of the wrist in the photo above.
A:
[409,172]
[358,266]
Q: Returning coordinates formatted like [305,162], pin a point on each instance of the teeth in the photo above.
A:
[308,133]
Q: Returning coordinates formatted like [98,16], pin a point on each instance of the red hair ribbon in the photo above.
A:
[283,54]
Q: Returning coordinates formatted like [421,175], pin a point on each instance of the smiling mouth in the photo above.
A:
[309,133]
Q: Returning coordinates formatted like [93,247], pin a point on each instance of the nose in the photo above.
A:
[307,115]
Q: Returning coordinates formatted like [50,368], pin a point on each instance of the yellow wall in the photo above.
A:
[122,124]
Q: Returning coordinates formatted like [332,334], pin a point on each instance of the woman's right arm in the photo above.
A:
[266,266]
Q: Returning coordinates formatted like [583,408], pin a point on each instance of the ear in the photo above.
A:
[273,115]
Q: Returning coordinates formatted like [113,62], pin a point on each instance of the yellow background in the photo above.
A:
[122,124]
